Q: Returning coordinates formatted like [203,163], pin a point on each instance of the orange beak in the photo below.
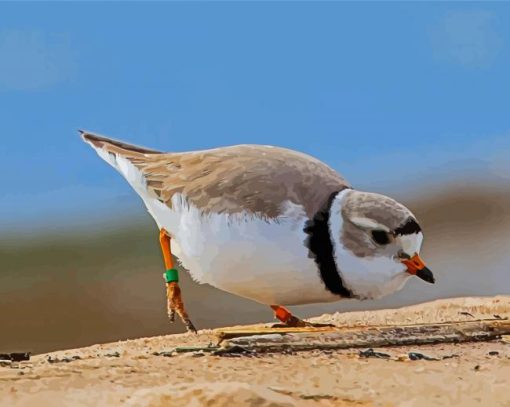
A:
[417,267]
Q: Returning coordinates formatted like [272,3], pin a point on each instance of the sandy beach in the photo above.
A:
[145,371]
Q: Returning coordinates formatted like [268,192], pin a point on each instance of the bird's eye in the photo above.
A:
[380,237]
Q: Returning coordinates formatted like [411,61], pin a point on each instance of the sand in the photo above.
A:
[128,373]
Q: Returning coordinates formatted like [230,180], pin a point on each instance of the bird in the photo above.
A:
[270,224]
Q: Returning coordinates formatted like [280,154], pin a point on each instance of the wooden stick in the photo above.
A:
[310,338]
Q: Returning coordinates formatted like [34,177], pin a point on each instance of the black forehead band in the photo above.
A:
[408,228]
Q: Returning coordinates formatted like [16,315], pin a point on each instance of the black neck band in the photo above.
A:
[321,249]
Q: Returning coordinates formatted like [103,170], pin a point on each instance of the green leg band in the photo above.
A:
[171,276]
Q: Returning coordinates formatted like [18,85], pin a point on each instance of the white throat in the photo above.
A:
[366,277]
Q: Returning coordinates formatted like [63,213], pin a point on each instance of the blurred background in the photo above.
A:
[409,100]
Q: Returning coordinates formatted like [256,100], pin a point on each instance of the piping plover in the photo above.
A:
[269,224]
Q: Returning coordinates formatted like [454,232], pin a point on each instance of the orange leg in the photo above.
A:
[173,291]
[289,320]
[285,316]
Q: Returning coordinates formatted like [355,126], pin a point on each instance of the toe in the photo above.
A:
[189,326]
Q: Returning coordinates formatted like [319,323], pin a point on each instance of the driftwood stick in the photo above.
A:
[302,339]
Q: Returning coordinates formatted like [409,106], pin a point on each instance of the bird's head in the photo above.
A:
[378,242]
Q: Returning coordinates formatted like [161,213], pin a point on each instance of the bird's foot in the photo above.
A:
[296,322]
[291,321]
[175,305]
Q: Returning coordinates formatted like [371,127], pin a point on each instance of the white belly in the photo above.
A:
[265,261]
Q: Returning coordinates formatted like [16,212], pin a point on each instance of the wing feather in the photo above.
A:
[252,178]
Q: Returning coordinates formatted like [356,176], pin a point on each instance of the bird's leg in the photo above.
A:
[285,316]
[289,320]
[173,291]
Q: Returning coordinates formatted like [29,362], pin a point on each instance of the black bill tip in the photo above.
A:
[426,275]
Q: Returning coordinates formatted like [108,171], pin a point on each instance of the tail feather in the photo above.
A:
[126,158]
[98,141]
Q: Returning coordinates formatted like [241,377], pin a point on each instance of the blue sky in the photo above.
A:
[389,94]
